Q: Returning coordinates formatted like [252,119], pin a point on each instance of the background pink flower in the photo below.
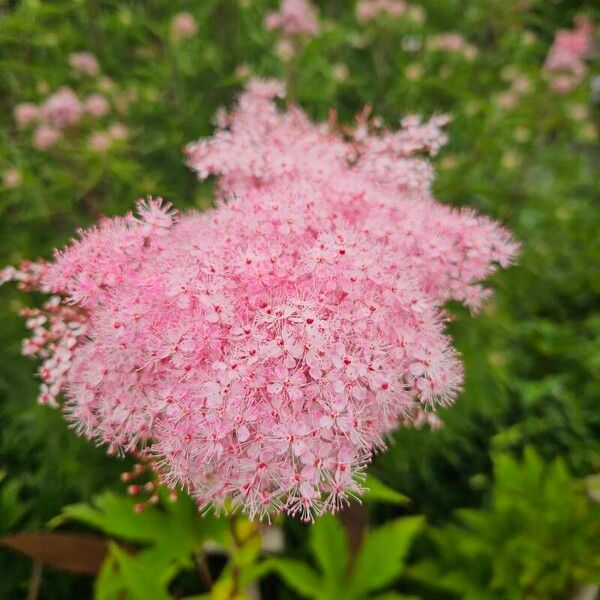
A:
[85,63]
[26,113]
[45,136]
[96,105]
[366,10]
[12,178]
[184,25]
[565,63]
[62,109]
[100,141]
[294,17]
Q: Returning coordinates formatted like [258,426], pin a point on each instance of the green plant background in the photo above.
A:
[532,356]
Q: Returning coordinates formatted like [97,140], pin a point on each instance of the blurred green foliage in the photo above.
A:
[170,536]
[532,357]
[537,539]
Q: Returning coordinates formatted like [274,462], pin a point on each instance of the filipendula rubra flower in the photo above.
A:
[260,352]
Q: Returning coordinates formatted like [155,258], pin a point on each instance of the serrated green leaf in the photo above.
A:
[329,546]
[138,576]
[381,557]
[109,583]
[255,572]
[176,524]
[299,576]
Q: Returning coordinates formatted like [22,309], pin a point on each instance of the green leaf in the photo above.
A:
[170,532]
[381,557]
[12,507]
[329,546]
[299,576]
[255,572]
[139,577]
[380,492]
[175,526]
[109,584]
[115,515]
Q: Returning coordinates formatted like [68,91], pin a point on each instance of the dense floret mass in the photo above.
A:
[260,352]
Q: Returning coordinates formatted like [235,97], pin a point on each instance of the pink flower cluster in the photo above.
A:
[294,18]
[183,26]
[565,63]
[367,10]
[259,353]
[85,63]
[454,43]
[61,111]
[12,178]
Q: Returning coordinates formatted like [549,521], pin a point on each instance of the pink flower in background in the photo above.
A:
[452,42]
[294,17]
[85,63]
[260,353]
[100,141]
[26,113]
[63,108]
[96,105]
[184,26]
[565,63]
[285,49]
[118,131]
[520,85]
[578,41]
[12,178]
[45,136]
[367,10]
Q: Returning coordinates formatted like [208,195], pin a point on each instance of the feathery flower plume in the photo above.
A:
[260,352]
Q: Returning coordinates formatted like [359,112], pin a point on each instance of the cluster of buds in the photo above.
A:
[146,493]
